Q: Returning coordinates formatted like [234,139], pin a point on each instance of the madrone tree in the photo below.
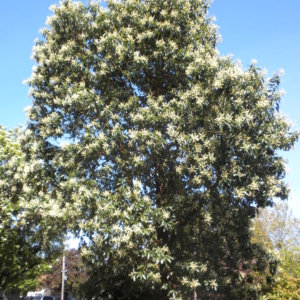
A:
[155,147]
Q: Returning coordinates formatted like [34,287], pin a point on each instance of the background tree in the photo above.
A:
[277,230]
[155,147]
[77,273]
[21,249]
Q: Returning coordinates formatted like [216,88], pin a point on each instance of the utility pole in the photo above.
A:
[63,277]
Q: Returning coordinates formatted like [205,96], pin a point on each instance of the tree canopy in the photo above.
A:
[145,140]
[21,248]
[277,230]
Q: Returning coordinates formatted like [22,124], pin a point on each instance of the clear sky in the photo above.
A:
[267,30]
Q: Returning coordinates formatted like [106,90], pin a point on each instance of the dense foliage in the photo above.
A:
[21,248]
[149,143]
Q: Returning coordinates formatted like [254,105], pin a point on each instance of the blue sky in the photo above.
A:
[267,30]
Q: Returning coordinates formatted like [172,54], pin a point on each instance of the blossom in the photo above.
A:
[53,7]
[156,276]
[280,72]
[253,61]
[207,218]
[203,268]
[160,43]
[166,215]
[184,280]
[194,283]
[281,92]
[213,284]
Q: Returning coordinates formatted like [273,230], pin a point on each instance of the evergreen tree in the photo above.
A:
[21,249]
[154,147]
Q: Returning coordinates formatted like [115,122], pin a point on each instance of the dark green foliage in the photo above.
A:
[154,147]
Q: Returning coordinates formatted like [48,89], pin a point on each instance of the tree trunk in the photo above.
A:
[165,295]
